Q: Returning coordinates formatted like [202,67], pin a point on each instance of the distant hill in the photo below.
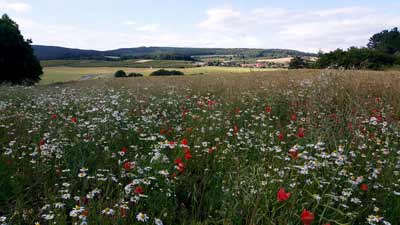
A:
[165,53]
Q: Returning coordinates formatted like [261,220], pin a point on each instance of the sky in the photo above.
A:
[306,25]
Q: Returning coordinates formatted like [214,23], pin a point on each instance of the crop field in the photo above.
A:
[67,73]
[278,147]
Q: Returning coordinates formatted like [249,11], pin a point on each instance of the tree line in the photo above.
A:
[382,51]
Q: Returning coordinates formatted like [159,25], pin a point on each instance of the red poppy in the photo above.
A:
[268,109]
[210,150]
[293,117]
[307,217]
[188,155]
[54,116]
[300,132]
[124,150]
[235,129]
[128,165]
[184,141]
[163,131]
[138,190]
[281,137]
[178,160]
[282,195]
[74,120]
[42,142]
[294,153]
[364,187]
[181,167]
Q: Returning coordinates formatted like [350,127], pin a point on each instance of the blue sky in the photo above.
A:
[307,25]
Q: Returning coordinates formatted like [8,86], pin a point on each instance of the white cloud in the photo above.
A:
[325,29]
[129,22]
[149,28]
[226,27]
[14,6]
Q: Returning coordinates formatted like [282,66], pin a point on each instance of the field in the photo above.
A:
[277,147]
[55,74]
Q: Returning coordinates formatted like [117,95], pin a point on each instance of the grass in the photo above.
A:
[62,73]
[211,149]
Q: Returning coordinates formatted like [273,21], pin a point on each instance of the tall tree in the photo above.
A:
[386,41]
[18,64]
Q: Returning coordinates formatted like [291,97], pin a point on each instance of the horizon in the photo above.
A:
[307,27]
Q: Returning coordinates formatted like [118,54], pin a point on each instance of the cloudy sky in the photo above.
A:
[307,25]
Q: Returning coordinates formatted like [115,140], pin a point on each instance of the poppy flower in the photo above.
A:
[74,120]
[283,195]
[184,141]
[364,187]
[128,165]
[188,155]
[268,109]
[281,137]
[181,167]
[54,116]
[300,132]
[124,150]
[293,117]
[294,153]
[42,142]
[210,150]
[307,217]
[138,190]
[235,129]
[178,160]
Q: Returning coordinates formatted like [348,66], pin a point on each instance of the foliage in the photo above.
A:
[383,49]
[18,64]
[386,41]
[298,63]
[355,58]
[163,72]
[120,73]
[135,75]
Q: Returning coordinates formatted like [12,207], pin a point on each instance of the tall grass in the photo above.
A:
[204,150]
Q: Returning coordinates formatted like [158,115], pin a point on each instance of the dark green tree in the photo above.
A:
[298,63]
[120,73]
[386,41]
[18,63]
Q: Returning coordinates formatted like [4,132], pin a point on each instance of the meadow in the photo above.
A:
[267,147]
[54,74]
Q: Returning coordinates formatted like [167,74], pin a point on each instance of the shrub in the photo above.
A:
[135,75]
[163,72]
[120,73]
[298,63]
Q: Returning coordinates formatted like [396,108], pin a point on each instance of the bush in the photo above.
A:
[120,73]
[135,75]
[298,63]
[163,72]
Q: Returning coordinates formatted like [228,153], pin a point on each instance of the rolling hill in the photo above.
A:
[163,53]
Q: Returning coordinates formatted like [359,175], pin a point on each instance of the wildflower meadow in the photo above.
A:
[285,147]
